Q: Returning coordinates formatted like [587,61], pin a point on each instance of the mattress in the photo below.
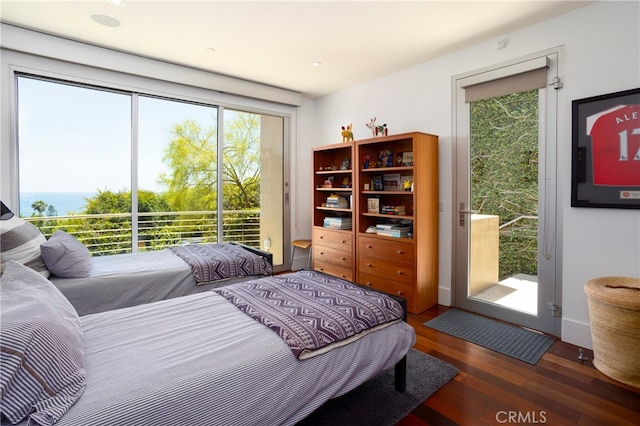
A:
[130,279]
[198,360]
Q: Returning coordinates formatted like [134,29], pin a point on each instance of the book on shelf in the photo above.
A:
[391,182]
[337,222]
[376,183]
[373,205]
[395,210]
[336,201]
[393,229]
[386,158]
[407,158]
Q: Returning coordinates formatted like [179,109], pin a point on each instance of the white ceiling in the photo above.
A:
[275,43]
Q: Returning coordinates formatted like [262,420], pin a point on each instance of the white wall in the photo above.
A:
[601,56]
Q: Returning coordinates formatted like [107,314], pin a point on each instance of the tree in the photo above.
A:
[38,207]
[504,174]
[192,159]
[241,177]
[191,155]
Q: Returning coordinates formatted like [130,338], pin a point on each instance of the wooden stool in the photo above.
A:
[303,244]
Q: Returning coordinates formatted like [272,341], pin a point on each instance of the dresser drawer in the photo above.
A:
[328,254]
[333,269]
[397,271]
[388,286]
[332,238]
[393,251]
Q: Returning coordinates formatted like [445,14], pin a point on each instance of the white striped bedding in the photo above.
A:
[198,360]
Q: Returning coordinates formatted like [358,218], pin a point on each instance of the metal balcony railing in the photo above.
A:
[106,234]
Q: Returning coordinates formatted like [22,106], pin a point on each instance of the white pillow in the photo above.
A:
[42,371]
[20,241]
[65,256]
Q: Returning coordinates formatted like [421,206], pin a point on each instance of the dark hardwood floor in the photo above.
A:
[494,389]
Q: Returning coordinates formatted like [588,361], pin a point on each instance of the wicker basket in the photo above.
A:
[614,310]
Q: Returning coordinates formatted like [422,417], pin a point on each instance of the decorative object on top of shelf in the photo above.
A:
[386,158]
[372,126]
[377,130]
[347,134]
[346,182]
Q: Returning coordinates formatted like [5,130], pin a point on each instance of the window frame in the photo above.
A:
[16,63]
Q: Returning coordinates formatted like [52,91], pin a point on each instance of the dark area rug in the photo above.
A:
[507,339]
[377,403]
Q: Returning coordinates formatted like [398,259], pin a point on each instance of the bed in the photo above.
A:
[124,280]
[203,360]
[97,284]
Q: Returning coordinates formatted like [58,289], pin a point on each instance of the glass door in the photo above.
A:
[505,224]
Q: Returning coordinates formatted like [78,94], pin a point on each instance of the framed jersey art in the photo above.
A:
[605,166]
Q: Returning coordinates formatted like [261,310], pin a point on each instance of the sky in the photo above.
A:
[79,140]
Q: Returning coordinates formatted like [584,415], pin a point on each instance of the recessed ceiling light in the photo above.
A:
[106,20]
[316,64]
[117,2]
[210,49]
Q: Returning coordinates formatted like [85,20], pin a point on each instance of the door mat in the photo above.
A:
[507,339]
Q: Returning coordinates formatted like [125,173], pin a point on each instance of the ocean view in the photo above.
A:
[64,202]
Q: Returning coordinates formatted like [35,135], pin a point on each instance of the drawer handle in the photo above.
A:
[369,284]
[399,252]
[368,245]
[343,276]
[399,293]
[321,236]
[321,253]
[368,265]
[400,273]
[342,241]
[343,258]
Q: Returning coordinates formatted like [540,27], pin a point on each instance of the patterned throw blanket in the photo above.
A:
[212,262]
[313,312]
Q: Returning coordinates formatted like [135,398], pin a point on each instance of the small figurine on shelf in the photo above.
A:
[407,185]
[382,130]
[345,164]
[347,134]
[372,126]
[366,161]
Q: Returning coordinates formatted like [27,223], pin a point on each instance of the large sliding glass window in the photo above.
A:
[127,172]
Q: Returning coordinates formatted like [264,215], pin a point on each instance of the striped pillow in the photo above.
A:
[42,370]
[20,241]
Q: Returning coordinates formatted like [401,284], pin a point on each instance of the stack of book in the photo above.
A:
[397,210]
[337,201]
[337,222]
[392,230]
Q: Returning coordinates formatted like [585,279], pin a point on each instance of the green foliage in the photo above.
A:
[504,174]
[38,207]
[191,186]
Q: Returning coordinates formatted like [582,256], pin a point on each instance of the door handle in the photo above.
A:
[463,213]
